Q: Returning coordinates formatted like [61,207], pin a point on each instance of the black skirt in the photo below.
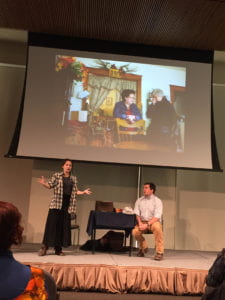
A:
[57,229]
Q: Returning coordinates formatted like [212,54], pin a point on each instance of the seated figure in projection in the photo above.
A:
[19,281]
[127,109]
[163,120]
[148,210]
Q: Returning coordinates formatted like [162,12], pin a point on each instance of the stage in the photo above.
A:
[179,273]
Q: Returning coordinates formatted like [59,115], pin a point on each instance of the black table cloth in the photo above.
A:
[110,220]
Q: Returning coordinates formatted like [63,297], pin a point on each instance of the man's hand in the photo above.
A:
[143,226]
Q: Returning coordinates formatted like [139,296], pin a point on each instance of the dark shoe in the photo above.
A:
[158,256]
[141,252]
[60,253]
[43,251]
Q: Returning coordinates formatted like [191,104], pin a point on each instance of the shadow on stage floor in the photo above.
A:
[179,273]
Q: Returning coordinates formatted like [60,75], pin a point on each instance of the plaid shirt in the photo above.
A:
[56,182]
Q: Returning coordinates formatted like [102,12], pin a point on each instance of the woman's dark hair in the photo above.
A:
[151,185]
[126,93]
[10,228]
[65,160]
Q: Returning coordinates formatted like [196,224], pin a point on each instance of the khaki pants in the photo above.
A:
[156,228]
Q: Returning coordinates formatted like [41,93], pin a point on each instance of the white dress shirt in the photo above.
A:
[148,207]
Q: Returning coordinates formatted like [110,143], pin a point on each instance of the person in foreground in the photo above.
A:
[215,279]
[18,281]
[148,210]
[58,225]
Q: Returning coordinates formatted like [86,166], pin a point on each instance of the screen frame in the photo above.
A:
[91,45]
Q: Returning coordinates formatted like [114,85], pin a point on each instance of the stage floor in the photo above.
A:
[172,258]
[179,273]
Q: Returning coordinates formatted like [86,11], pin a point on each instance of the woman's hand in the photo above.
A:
[41,180]
[87,191]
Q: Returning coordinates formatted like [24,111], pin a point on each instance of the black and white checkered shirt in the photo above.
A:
[56,182]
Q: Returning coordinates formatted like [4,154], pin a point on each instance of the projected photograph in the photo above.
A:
[122,105]
[116,108]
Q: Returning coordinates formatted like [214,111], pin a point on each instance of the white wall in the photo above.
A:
[200,194]
[194,201]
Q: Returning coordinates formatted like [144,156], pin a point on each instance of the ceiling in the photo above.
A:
[194,24]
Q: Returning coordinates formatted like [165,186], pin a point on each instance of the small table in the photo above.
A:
[110,220]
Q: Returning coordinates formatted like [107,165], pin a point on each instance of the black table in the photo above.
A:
[110,220]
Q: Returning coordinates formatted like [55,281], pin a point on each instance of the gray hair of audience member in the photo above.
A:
[157,93]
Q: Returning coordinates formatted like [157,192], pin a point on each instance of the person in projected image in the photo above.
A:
[163,120]
[57,229]
[127,109]
[148,210]
[19,281]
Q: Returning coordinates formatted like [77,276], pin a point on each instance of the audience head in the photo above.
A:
[10,227]
[128,93]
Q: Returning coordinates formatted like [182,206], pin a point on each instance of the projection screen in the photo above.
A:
[74,105]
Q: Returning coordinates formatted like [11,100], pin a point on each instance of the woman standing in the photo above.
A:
[57,229]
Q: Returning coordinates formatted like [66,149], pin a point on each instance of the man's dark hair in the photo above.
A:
[151,185]
[126,93]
